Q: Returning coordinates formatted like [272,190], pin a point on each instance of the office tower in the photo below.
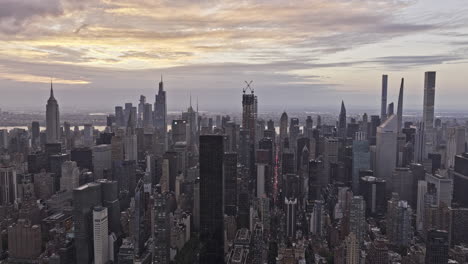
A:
[400,107]
[373,189]
[160,114]
[196,204]
[8,186]
[83,157]
[386,148]
[374,124]
[24,242]
[428,110]
[110,200]
[383,109]
[245,148]
[262,170]
[179,131]
[402,183]
[119,116]
[160,227]
[70,176]
[357,218]
[3,139]
[291,214]
[52,118]
[140,234]
[390,109]
[302,153]
[458,226]
[342,121]
[211,199]
[442,189]
[102,160]
[231,131]
[43,185]
[130,143]
[35,134]
[249,112]
[147,115]
[459,174]
[361,157]
[330,155]
[287,163]
[317,179]
[399,229]
[378,252]
[437,247]
[85,198]
[283,133]
[100,235]
[421,204]
[230,183]
[352,249]
[456,139]
[316,219]
[141,111]
[294,131]
[420,144]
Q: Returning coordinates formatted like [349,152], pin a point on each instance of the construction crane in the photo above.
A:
[248,87]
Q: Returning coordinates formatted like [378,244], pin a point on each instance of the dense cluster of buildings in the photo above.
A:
[205,189]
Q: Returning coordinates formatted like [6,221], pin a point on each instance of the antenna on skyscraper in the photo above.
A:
[248,87]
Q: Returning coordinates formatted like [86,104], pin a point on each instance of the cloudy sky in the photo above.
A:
[301,53]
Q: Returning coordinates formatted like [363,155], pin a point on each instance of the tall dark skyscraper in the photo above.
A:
[160,113]
[85,198]
[230,183]
[52,118]
[383,109]
[211,199]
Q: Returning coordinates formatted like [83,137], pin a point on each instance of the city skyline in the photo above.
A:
[319,49]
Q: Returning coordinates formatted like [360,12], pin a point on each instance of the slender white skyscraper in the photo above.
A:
[428,110]
[100,234]
[383,109]
[52,118]
[400,106]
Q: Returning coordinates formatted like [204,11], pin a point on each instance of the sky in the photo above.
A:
[299,54]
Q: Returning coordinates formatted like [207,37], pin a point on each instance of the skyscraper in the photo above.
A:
[100,235]
[211,199]
[383,109]
[342,121]
[361,157]
[400,107]
[283,133]
[52,118]
[386,148]
[437,247]
[249,111]
[230,183]
[428,109]
[85,198]
[160,114]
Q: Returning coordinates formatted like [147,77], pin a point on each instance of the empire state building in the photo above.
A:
[52,118]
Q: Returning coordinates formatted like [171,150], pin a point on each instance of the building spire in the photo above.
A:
[51,89]
[400,106]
